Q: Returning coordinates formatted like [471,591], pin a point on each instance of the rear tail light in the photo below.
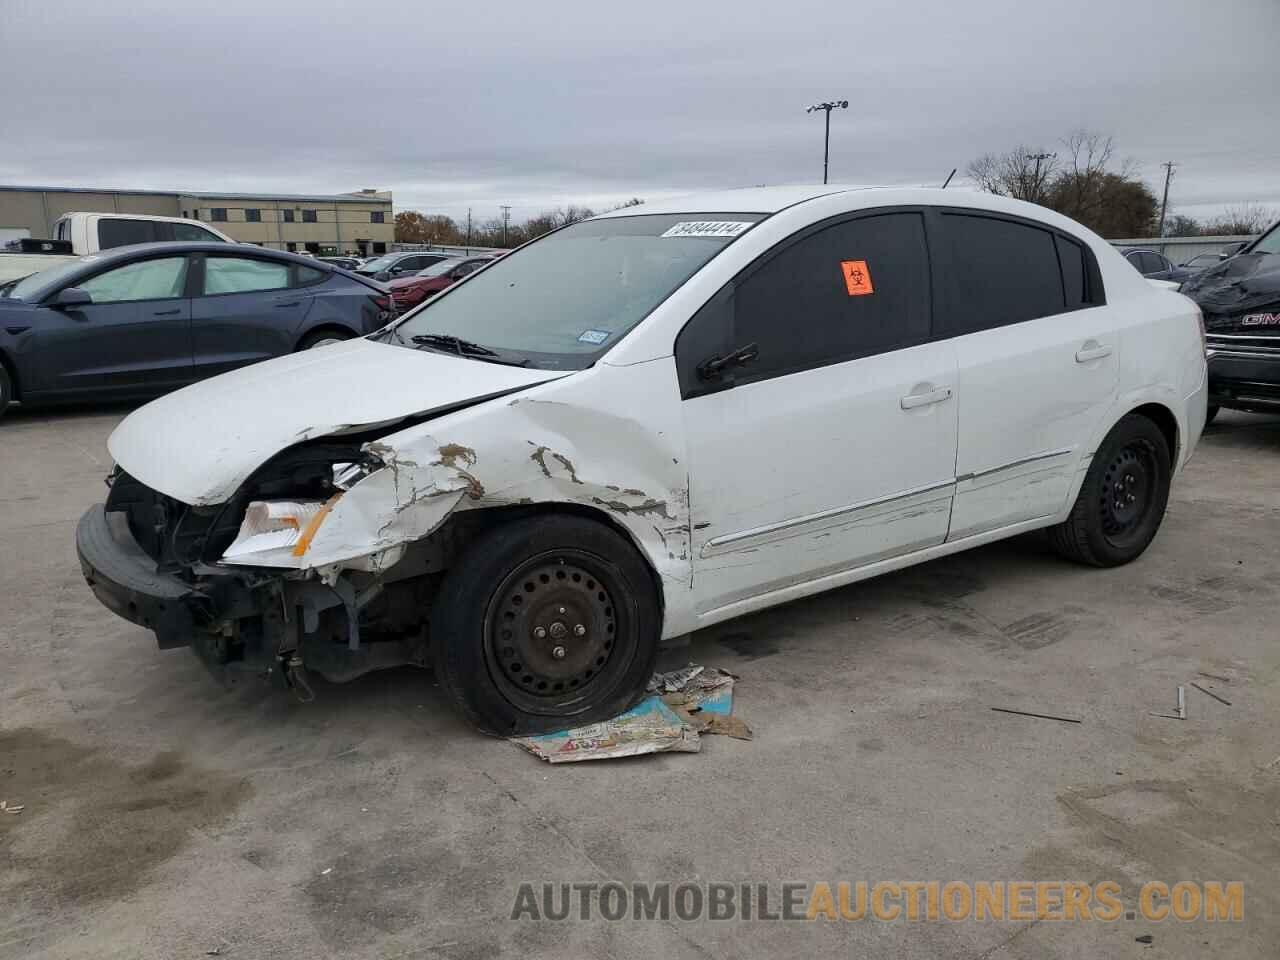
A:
[1204,341]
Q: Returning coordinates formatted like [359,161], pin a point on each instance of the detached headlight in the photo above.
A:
[279,526]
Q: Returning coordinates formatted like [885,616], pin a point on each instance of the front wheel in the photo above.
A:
[546,623]
[1123,498]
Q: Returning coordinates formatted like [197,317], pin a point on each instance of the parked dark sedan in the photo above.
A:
[1155,266]
[394,265]
[141,320]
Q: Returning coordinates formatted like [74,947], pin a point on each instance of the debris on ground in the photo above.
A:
[1145,938]
[1038,716]
[682,705]
[7,807]
[1182,707]
[1210,693]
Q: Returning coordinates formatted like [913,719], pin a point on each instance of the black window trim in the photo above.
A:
[691,387]
[1096,296]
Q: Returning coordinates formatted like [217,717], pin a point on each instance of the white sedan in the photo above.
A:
[647,423]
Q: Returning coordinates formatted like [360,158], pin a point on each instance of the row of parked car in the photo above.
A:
[1156,266]
[138,320]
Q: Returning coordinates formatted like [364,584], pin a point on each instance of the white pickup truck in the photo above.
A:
[90,232]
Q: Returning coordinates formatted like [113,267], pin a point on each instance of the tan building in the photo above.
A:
[358,223]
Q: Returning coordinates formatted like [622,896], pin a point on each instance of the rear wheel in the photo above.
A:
[323,338]
[1123,498]
[546,623]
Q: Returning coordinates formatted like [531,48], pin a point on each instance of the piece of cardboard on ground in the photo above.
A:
[683,704]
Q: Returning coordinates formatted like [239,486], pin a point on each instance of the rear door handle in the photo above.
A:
[167,313]
[1092,350]
[913,400]
[288,303]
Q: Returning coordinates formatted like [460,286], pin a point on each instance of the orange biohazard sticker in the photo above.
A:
[857,278]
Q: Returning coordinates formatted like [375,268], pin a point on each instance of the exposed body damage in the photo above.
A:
[601,458]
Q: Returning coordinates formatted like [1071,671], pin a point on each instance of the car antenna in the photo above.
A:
[949,176]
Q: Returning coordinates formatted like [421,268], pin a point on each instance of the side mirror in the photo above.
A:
[382,276]
[1231,249]
[71,297]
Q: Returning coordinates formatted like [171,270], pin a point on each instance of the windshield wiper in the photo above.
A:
[468,348]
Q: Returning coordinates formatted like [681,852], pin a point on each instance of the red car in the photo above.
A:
[410,291]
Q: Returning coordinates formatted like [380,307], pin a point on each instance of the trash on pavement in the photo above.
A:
[7,807]
[1038,716]
[682,705]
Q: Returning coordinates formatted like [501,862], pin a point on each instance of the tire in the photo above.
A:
[6,389]
[323,338]
[1211,413]
[585,589]
[1123,498]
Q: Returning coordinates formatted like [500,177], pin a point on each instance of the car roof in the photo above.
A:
[196,246]
[771,200]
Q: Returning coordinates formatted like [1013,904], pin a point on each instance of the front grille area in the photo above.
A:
[169,531]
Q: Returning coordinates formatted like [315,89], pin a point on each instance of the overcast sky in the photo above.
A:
[539,104]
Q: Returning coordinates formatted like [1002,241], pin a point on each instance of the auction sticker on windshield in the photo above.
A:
[594,336]
[708,228]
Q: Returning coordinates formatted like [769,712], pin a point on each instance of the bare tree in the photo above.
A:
[1244,219]
[1022,173]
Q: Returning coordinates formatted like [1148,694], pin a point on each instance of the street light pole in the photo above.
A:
[826,140]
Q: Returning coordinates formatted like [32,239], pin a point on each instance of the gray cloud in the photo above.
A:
[535,105]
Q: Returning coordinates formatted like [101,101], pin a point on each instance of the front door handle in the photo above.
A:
[167,313]
[290,303]
[913,400]
[1092,350]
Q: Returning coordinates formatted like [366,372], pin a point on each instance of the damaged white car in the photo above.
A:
[646,423]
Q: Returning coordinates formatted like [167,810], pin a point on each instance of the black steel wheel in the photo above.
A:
[549,631]
[1123,499]
[546,622]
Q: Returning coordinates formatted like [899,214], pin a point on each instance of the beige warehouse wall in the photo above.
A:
[337,225]
[38,210]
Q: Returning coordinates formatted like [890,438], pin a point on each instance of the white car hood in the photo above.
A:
[201,443]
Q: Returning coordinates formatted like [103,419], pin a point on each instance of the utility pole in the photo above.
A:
[1164,204]
[468,226]
[506,220]
[1035,186]
[826,141]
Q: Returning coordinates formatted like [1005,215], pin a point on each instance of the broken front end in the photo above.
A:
[244,582]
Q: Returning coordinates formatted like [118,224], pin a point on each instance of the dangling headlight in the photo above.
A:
[279,526]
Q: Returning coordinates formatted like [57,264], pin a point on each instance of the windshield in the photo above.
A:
[35,286]
[1269,242]
[377,264]
[439,269]
[561,301]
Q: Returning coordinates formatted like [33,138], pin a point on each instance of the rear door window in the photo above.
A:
[997,272]
[850,290]
[243,275]
[115,232]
